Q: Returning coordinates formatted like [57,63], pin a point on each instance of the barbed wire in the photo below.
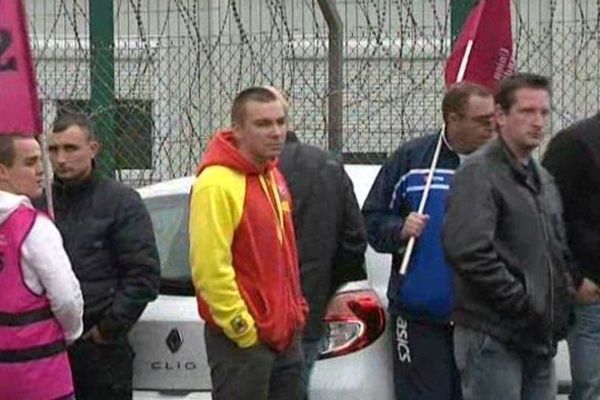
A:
[184,60]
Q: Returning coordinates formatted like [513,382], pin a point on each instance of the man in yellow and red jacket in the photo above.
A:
[243,256]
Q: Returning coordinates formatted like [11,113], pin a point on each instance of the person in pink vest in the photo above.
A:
[41,306]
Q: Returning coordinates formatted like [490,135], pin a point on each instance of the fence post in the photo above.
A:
[335,57]
[102,80]
[459,11]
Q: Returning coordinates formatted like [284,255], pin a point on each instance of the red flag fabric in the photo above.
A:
[19,104]
[488,26]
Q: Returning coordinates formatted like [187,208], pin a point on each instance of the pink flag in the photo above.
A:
[19,104]
[487,34]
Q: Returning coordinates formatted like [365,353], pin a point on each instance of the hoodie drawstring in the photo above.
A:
[268,185]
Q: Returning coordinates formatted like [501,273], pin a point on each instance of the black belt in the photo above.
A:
[25,318]
[32,353]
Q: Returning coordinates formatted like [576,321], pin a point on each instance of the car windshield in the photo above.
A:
[169,216]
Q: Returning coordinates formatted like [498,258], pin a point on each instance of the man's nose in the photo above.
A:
[39,168]
[538,120]
[280,130]
[59,156]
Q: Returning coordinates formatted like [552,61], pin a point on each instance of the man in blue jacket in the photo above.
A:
[420,303]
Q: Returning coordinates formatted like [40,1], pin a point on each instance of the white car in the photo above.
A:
[170,360]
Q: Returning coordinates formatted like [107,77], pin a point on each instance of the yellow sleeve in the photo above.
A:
[216,208]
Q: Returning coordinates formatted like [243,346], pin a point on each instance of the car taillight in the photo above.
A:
[353,321]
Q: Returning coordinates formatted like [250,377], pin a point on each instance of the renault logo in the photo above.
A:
[174,340]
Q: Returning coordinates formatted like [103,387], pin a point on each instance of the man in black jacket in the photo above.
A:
[330,233]
[504,236]
[108,236]
[573,157]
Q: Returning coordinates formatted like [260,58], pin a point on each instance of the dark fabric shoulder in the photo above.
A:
[111,196]
[422,142]
[416,145]
[583,134]
[111,187]
[415,153]
[305,155]
[584,128]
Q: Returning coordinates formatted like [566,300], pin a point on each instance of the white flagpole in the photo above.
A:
[411,242]
[47,174]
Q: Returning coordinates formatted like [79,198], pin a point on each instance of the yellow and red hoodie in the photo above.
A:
[242,249]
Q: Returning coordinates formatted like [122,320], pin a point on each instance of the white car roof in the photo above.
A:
[170,187]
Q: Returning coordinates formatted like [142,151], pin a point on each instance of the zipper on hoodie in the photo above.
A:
[269,186]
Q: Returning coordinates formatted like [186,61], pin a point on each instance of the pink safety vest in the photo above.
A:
[33,360]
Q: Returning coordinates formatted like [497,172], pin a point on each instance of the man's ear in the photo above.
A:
[3,172]
[500,116]
[452,117]
[95,147]
[237,134]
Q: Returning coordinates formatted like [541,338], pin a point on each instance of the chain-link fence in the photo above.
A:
[157,96]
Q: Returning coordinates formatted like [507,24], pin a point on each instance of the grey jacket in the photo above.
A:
[505,238]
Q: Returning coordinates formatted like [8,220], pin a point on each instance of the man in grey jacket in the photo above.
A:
[505,238]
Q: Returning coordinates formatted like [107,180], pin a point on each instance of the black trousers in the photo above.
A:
[424,367]
[255,373]
[102,371]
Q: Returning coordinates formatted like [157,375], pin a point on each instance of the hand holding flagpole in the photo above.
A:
[486,46]
[436,155]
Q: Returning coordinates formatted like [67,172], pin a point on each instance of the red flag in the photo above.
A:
[19,104]
[487,31]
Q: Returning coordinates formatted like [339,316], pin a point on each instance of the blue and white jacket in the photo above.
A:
[427,292]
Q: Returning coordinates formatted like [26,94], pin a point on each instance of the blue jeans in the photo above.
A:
[490,371]
[584,353]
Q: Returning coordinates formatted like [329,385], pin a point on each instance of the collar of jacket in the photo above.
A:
[446,147]
[291,137]
[521,172]
[76,188]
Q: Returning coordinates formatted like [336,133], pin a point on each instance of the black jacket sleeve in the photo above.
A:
[348,264]
[568,160]
[136,255]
